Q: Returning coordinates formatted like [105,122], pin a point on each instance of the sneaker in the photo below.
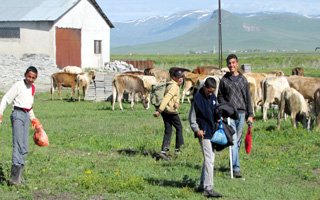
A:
[164,156]
[177,152]
[237,175]
[211,194]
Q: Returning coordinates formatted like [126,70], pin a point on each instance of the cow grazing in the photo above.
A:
[83,82]
[294,104]
[128,83]
[299,71]
[72,69]
[272,89]
[63,79]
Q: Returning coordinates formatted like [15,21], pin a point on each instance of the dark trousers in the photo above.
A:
[170,120]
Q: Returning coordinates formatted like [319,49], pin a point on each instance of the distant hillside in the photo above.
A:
[240,32]
[154,29]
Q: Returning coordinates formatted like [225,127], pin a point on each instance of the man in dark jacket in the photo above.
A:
[202,122]
[234,88]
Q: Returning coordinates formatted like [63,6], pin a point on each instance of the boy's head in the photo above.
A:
[232,63]
[176,75]
[209,86]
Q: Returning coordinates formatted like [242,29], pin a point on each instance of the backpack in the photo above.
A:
[157,93]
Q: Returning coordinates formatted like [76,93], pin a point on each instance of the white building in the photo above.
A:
[72,32]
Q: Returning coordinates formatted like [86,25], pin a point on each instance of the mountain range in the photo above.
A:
[197,32]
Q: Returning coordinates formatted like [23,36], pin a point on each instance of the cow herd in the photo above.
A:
[73,77]
[296,96]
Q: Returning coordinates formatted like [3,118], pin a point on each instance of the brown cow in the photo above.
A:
[305,85]
[63,79]
[209,70]
[190,79]
[299,71]
[128,83]
[160,74]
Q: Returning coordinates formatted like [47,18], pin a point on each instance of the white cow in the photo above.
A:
[272,89]
[83,82]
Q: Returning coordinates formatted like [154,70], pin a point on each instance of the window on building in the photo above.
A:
[97,47]
[9,32]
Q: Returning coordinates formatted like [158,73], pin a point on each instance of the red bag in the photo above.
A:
[248,139]
[40,137]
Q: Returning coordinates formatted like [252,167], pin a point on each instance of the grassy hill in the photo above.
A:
[262,32]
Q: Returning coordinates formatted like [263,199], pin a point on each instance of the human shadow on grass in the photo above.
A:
[2,176]
[134,152]
[185,182]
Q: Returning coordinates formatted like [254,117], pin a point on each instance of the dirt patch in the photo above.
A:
[40,195]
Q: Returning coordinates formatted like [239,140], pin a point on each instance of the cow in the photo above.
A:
[317,107]
[160,74]
[293,103]
[305,85]
[259,78]
[63,79]
[137,73]
[128,83]
[190,80]
[72,69]
[253,91]
[148,82]
[83,82]
[272,89]
[299,71]
[209,70]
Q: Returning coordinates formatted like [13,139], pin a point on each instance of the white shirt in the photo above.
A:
[20,95]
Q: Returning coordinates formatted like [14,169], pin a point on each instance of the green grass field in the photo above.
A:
[96,153]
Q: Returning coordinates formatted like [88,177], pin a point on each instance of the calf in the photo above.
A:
[128,83]
[83,82]
[293,104]
[63,79]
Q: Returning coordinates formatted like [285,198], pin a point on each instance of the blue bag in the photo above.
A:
[219,137]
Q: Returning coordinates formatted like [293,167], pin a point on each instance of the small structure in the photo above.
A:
[72,32]
[246,68]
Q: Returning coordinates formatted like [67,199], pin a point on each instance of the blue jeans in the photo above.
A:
[237,126]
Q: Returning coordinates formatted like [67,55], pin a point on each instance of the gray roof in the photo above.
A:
[40,10]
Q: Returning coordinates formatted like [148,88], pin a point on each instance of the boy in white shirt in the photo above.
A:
[21,95]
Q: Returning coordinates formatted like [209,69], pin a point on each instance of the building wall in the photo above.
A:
[93,27]
[35,38]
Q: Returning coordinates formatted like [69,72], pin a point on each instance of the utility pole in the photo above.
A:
[220,35]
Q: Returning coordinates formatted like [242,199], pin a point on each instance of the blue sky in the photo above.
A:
[123,10]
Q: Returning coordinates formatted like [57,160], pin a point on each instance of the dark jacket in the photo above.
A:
[204,108]
[235,90]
